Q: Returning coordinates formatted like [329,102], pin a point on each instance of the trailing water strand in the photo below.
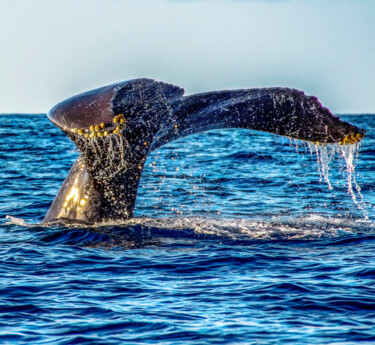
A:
[350,154]
[324,156]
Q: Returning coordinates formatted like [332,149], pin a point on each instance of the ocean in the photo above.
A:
[239,237]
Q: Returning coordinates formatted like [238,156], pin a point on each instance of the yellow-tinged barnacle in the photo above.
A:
[74,130]
[80,131]
[102,125]
[92,128]
[122,120]
[97,128]
[100,134]
[87,135]
[117,118]
[105,133]
[349,139]
[117,129]
[93,135]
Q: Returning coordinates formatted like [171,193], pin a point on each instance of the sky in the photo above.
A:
[51,50]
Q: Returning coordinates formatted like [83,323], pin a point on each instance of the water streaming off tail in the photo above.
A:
[347,154]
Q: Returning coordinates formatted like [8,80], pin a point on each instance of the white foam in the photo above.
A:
[309,227]
[17,221]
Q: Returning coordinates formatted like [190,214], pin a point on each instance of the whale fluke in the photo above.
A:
[115,127]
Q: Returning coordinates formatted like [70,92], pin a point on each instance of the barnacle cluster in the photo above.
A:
[348,140]
[352,139]
[102,129]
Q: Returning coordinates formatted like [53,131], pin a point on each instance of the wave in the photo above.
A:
[140,232]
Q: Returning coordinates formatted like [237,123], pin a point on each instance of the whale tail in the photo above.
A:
[115,127]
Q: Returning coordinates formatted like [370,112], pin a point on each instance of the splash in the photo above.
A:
[350,154]
[325,155]
[138,232]
[17,221]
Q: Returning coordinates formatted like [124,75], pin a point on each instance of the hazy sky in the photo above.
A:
[51,50]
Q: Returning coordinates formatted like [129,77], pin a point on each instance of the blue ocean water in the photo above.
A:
[237,238]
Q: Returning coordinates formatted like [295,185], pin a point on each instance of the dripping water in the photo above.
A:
[350,155]
[324,156]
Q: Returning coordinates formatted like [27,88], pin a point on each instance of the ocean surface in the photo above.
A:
[239,237]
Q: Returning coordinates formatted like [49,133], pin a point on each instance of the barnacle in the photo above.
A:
[102,130]
[117,118]
[351,139]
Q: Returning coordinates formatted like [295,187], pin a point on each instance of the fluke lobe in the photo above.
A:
[116,126]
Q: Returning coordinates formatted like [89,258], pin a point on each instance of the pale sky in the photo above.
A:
[51,50]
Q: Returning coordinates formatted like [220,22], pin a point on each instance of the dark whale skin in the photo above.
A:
[116,126]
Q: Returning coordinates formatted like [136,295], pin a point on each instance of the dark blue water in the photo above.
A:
[237,239]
